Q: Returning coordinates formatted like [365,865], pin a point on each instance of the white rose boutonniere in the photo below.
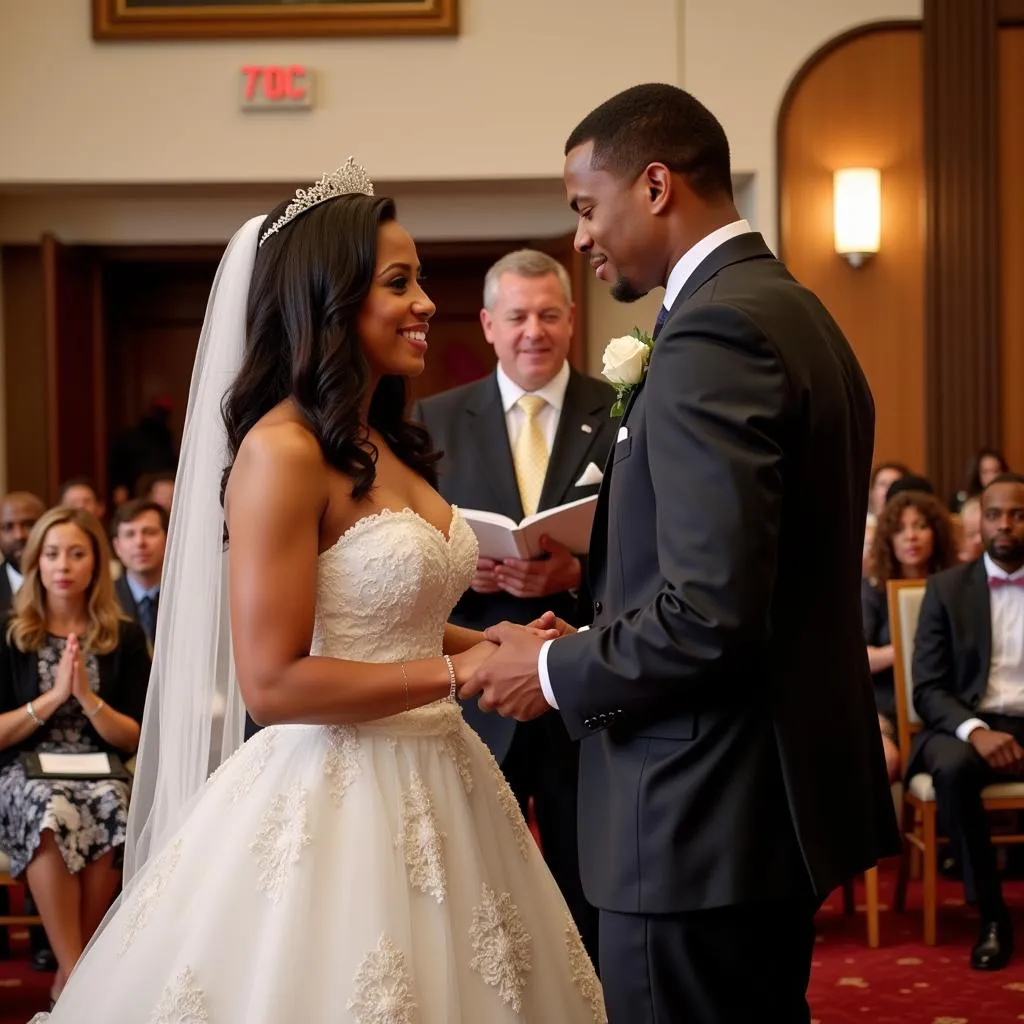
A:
[625,365]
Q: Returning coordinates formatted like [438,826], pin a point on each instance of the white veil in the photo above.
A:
[194,716]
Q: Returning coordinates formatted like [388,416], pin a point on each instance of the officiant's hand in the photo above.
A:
[551,625]
[484,581]
[508,682]
[540,577]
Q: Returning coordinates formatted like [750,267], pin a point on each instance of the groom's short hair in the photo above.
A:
[657,123]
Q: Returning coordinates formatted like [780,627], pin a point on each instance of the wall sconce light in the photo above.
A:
[857,213]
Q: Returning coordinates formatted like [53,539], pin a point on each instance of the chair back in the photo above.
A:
[905,597]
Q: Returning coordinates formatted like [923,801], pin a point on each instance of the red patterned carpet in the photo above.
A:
[902,982]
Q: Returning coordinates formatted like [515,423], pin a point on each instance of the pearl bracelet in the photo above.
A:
[31,712]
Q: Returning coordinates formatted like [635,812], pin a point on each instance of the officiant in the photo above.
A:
[531,436]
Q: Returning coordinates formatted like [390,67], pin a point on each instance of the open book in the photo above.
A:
[501,537]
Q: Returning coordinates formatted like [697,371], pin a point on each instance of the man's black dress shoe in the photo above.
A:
[994,948]
[44,960]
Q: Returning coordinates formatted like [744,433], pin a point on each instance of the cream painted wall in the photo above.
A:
[496,101]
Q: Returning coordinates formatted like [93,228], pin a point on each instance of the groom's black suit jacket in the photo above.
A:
[468,425]
[730,747]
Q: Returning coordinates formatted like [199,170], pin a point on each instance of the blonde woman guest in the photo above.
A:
[73,677]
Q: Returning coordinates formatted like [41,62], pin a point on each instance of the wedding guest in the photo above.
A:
[982,469]
[969,692]
[73,677]
[914,539]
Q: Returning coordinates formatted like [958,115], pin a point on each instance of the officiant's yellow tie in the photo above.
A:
[530,454]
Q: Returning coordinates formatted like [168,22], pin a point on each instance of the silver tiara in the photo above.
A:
[346,180]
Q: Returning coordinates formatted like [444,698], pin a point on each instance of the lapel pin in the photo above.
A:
[586,428]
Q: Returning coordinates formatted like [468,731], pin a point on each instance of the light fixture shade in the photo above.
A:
[857,212]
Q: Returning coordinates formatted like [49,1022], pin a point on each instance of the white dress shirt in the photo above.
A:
[680,274]
[1004,694]
[15,577]
[553,394]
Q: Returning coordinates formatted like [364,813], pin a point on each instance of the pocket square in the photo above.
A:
[623,434]
[591,475]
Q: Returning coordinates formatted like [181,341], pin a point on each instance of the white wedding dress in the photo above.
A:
[371,874]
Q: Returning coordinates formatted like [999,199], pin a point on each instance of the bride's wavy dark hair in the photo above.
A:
[309,282]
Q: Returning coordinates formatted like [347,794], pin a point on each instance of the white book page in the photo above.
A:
[75,764]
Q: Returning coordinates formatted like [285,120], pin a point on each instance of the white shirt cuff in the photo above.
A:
[542,671]
[964,729]
[545,679]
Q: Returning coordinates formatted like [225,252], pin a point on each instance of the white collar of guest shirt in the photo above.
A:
[693,258]
[994,572]
[15,577]
[553,392]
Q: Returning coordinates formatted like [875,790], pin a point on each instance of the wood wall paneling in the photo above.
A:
[860,105]
[25,398]
[962,248]
[1011,218]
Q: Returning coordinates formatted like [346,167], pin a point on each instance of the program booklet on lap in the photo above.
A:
[500,537]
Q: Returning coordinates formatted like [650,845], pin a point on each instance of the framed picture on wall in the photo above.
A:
[244,19]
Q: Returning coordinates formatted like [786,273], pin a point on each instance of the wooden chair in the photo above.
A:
[9,920]
[918,821]
[870,904]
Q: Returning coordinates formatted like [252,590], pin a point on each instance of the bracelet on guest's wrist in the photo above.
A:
[32,713]
[100,705]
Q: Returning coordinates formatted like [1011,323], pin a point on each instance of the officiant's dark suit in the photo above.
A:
[731,767]
[469,425]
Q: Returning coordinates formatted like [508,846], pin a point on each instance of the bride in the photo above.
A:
[361,859]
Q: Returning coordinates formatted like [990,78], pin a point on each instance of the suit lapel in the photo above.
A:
[572,442]
[486,423]
[126,596]
[981,608]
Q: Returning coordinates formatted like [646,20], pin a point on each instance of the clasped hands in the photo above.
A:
[503,669]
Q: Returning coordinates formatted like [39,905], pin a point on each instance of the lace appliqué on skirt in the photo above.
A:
[280,840]
[422,841]
[502,946]
[258,752]
[181,1002]
[454,741]
[146,898]
[510,805]
[341,762]
[383,987]
[583,974]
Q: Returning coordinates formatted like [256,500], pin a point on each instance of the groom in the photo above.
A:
[731,771]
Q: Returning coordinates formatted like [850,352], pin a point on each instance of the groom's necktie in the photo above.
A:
[530,454]
[659,323]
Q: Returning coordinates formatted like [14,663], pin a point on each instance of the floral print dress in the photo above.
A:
[87,817]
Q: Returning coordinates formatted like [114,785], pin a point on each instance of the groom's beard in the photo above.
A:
[625,291]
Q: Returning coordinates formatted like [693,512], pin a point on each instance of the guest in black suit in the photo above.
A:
[140,539]
[19,512]
[731,771]
[482,429]
[969,691]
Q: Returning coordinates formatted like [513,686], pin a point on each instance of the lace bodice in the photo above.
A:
[386,588]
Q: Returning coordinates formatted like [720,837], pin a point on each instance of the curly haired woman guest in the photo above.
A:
[73,677]
[914,538]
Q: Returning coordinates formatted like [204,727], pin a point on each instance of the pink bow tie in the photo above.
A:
[995,582]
